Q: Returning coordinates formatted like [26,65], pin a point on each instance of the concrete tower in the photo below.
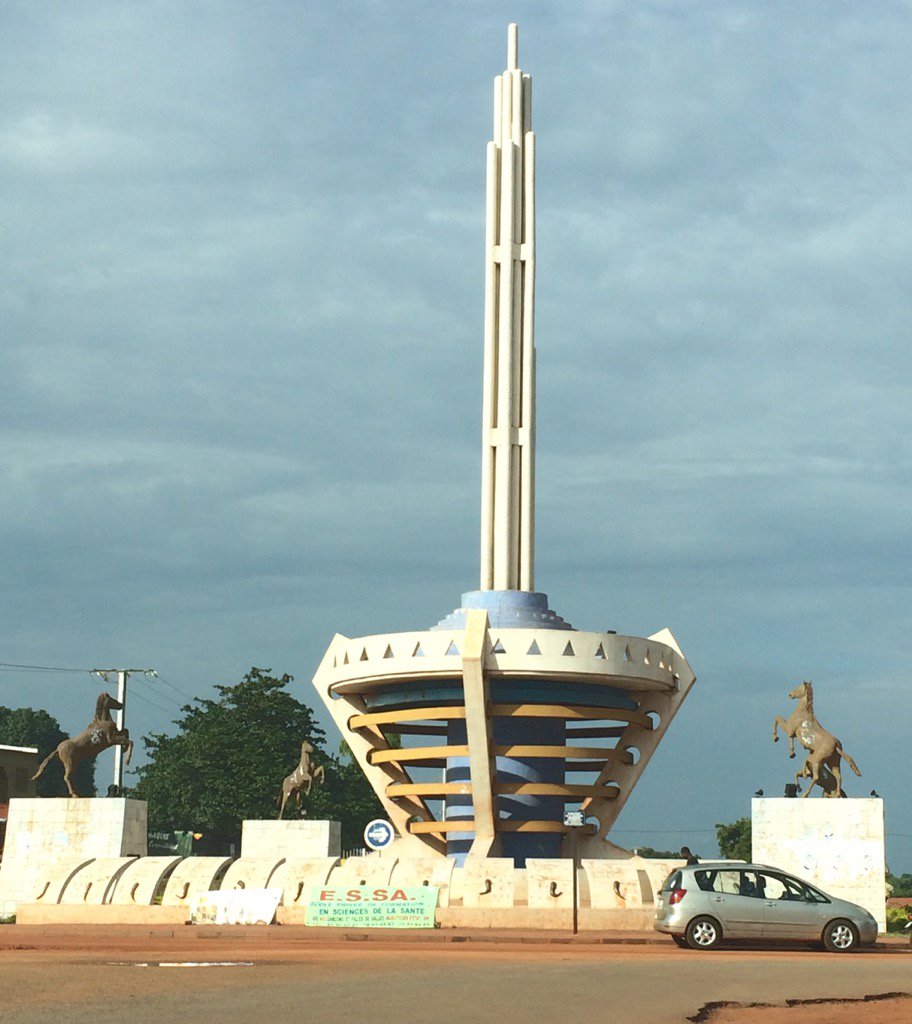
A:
[508,455]
[507,715]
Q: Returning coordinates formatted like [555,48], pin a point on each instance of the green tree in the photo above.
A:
[901,884]
[735,840]
[229,756]
[31,727]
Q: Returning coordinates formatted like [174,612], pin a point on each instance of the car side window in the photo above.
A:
[813,895]
[673,881]
[749,885]
[795,890]
[728,882]
[773,886]
[705,880]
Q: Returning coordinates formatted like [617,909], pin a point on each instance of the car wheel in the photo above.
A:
[679,940]
[840,936]
[703,933]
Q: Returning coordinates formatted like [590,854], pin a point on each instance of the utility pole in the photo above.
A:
[119,715]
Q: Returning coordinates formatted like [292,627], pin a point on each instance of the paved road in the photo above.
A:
[60,980]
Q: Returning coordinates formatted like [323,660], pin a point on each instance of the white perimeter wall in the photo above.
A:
[44,832]
[302,838]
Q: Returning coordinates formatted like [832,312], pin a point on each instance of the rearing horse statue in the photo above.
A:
[99,734]
[825,750]
[301,779]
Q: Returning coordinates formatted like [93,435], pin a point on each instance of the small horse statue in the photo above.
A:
[99,734]
[301,779]
[825,750]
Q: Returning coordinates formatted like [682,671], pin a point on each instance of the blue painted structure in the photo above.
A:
[517,609]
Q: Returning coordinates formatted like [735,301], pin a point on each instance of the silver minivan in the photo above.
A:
[701,904]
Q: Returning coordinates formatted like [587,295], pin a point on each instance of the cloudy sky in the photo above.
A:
[240,352]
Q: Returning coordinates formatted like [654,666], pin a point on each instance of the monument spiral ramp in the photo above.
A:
[502,729]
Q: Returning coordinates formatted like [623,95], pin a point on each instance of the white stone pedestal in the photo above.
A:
[836,844]
[291,840]
[43,833]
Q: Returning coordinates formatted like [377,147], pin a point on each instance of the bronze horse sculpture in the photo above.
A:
[99,734]
[301,779]
[825,751]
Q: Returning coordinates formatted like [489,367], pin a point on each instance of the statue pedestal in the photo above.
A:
[836,844]
[44,834]
[292,840]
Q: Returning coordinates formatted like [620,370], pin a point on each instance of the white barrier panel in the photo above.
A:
[235,906]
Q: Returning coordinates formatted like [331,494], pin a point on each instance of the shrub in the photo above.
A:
[897,918]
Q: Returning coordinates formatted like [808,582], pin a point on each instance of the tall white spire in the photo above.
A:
[508,425]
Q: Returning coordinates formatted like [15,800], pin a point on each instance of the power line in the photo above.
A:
[150,696]
[657,831]
[142,697]
[6,666]
[9,667]
[177,689]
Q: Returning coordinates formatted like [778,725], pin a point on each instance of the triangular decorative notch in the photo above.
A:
[363,654]
[452,649]
[418,652]
[600,653]
[498,648]
[627,655]
[388,653]
[568,651]
[648,659]
[534,648]
[345,659]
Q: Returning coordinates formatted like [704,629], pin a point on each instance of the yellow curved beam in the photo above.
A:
[540,826]
[454,713]
[594,766]
[572,712]
[396,789]
[423,827]
[554,789]
[405,754]
[406,715]
[596,753]
[418,753]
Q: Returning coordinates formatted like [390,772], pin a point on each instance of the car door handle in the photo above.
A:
[717,899]
[769,903]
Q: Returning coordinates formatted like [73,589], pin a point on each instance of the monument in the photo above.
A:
[509,717]
[502,742]
[823,763]
[839,846]
[102,732]
[301,780]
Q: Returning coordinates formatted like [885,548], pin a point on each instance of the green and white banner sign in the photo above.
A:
[370,907]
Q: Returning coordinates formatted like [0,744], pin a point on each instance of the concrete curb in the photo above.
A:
[99,936]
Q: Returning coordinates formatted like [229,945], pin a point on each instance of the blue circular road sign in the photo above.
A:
[379,833]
